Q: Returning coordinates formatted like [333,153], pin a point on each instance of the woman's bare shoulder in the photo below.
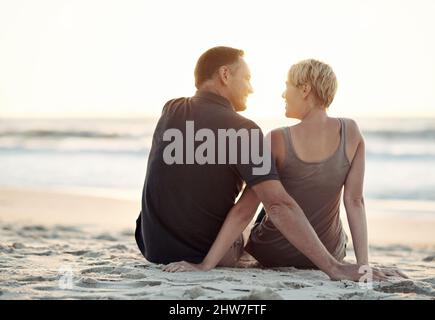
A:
[353,138]
[352,129]
[277,141]
[277,135]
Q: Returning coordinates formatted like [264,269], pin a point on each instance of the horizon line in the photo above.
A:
[149,117]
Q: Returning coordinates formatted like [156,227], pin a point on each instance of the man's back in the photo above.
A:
[184,204]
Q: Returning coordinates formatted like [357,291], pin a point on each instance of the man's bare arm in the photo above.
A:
[290,220]
[236,221]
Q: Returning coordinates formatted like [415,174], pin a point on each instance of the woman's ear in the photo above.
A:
[305,89]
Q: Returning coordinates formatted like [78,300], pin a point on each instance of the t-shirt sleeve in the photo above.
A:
[255,163]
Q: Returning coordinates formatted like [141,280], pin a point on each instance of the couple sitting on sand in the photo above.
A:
[189,218]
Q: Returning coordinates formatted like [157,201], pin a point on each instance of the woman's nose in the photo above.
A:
[283,94]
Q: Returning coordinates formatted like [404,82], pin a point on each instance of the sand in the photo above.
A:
[62,245]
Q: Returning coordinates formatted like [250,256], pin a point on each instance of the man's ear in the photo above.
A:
[306,89]
[224,74]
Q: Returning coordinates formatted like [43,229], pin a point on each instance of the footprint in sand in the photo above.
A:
[134,275]
[18,245]
[46,288]
[430,280]
[429,259]
[5,249]
[193,293]
[98,263]
[43,253]
[34,228]
[85,253]
[87,282]
[67,228]
[106,236]
[37,279]
[147,283]
[407,286]
[296,285]
[356,296]
[267,294]
[77,252]
[119,247]
[107,270]
[98,270]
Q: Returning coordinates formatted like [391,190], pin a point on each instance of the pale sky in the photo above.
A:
[126,58]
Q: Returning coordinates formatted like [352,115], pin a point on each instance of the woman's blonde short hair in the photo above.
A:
[319,75]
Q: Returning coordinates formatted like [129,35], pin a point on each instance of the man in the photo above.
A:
[185,203]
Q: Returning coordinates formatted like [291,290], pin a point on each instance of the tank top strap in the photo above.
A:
[289,150]
[287,139]
[343,135]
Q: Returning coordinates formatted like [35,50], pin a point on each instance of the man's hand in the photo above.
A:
[354,272]
[184,266]
[391,272]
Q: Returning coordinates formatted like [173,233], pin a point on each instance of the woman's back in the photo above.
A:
[313,165]
[315,141]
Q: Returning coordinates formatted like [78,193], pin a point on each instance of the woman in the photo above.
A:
[315,160]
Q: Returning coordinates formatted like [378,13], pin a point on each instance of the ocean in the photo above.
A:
[110,155]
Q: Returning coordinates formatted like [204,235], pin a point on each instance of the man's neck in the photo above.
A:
[214,89]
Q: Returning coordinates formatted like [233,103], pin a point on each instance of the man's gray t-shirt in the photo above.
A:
[184,205]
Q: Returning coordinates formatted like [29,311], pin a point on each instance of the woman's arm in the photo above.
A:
[354,201]
[236,221]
